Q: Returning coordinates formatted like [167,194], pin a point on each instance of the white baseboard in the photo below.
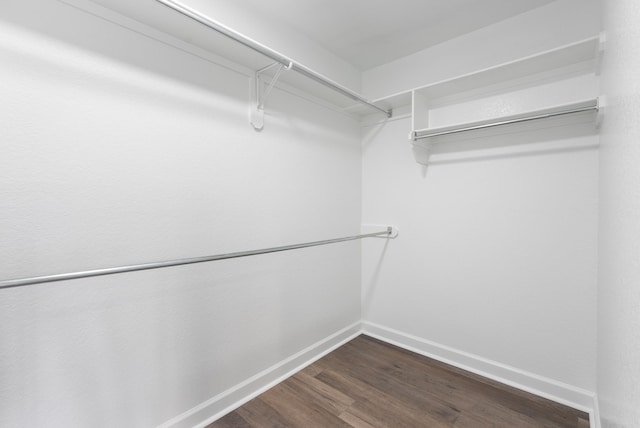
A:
[594,416]
[559,392]
[223,403]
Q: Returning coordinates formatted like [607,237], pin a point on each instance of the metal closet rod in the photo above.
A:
[427,134]
[268,52]
[21,282]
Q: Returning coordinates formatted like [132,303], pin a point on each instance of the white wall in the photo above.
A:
[619,273]
[496,265]
[117,150]
[497,256]
[558,23]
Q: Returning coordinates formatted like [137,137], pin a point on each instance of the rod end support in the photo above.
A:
[256,118]
[392,232]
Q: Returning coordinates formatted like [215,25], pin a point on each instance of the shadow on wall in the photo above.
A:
[370,137]
[532,139]
[372,282]
[69,38]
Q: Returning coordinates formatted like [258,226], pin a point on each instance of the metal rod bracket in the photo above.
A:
[262,93]
[268,52]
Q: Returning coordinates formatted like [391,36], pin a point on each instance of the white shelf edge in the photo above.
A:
[596,41]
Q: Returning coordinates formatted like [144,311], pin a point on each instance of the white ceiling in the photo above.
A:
[368,33]
[364,33]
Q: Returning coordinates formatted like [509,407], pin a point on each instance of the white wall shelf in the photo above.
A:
[554,65]
[517,72]
[571,59]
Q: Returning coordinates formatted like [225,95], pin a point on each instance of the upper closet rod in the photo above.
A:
[419,135]
[156,265]
[268,52]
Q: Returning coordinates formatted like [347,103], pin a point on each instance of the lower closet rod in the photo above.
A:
[157,265]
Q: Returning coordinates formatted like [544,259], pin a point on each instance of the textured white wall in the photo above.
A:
[119,150]
[497,255]
[498,249]
[619,271]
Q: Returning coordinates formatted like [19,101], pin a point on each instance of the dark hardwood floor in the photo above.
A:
[368,383]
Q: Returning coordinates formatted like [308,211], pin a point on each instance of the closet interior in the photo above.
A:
[186,186]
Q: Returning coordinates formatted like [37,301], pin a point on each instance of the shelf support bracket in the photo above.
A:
[257,113]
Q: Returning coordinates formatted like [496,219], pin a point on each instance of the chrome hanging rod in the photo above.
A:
[268,52]
[419,135]
[21,282]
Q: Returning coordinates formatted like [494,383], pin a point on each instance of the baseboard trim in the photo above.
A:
[223,403]
[594,417]
[551,389]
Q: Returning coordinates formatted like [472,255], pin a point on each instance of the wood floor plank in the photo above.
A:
[377,407]
[339,399]
[355,421]
[299,408]
[311,370]
[411,391]
[583,423]
[257,413]
[310,393]
[368,383]
[232,420]
[417,399]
